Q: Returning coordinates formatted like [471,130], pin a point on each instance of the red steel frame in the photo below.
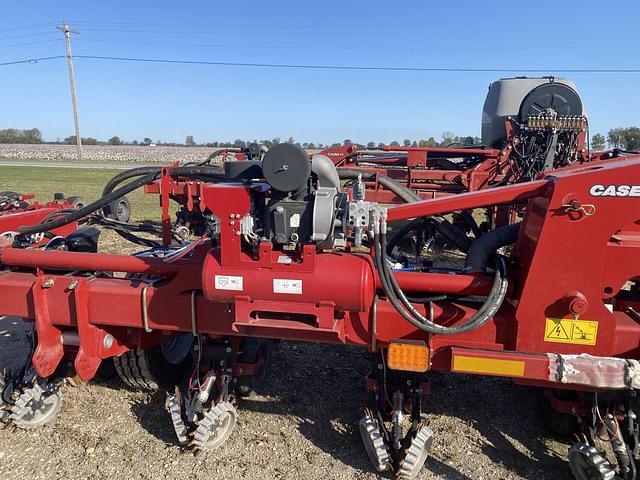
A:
[574,253]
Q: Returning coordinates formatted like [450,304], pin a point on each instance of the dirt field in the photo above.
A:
[303,426]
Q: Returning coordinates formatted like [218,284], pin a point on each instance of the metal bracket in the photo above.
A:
[194,326]
[145,311]
[49,351]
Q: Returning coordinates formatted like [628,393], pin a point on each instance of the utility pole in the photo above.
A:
[72,80]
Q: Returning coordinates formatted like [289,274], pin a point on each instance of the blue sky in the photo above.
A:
[168,102]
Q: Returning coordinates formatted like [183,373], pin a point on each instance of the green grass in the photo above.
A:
[84,182]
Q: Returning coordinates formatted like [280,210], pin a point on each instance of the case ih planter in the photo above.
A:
[278,248]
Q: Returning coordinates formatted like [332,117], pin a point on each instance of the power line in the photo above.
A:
[33,60]
[26,35]
[32,26]
[365,68]
[335,67]
[341,48]
[11,45]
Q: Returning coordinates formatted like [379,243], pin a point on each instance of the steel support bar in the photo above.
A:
[475,284]
[59,260]
[483,198]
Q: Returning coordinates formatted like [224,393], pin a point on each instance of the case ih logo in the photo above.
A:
[615,191]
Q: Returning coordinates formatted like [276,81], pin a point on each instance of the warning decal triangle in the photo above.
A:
[557,332]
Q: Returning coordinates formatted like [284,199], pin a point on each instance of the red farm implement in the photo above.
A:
[18,209]
[280,246]
[288,253]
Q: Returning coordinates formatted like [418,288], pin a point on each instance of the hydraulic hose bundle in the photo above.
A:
[143,176]
[404,306]
[479,251]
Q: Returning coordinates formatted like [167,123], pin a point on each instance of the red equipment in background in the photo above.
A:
[18,210]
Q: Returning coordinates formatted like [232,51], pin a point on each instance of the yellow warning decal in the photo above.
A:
[566,330]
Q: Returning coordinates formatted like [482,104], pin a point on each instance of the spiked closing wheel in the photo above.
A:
[374,443]
[174,407]
[416,454]
[35,407]
[588,463]
[4,405]
[215,427]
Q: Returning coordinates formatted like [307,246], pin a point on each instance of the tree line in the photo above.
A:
[623,138]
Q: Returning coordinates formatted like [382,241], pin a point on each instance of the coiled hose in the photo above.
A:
[392,289]
[407,311]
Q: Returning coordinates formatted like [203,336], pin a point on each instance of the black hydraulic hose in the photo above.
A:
[484,247]
[450,232]
[395,293]
[433,298]
[402,232]
[127,174]
[400,190]
[92,207]
[471,221]
[110,195]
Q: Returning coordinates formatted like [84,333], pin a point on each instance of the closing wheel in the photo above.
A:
[35,407]
[153,368]
[374,445]
[588,463]
[174,407]
[4,399]
[215,427]
[416,454]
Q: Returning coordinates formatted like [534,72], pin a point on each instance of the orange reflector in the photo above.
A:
[410,357]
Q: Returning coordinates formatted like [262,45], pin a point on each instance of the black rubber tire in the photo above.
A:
[77,202]
[561,424]
[119,210]
[252,349]
[148,370]
[106,370]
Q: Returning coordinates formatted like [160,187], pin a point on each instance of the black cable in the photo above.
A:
[92,207]
[365,68]
[127,174]
[199,172]
[395,293]
[335,67]
[32,60]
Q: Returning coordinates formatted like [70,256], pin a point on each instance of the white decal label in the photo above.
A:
[283,285]
[615,190]
[228,282]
